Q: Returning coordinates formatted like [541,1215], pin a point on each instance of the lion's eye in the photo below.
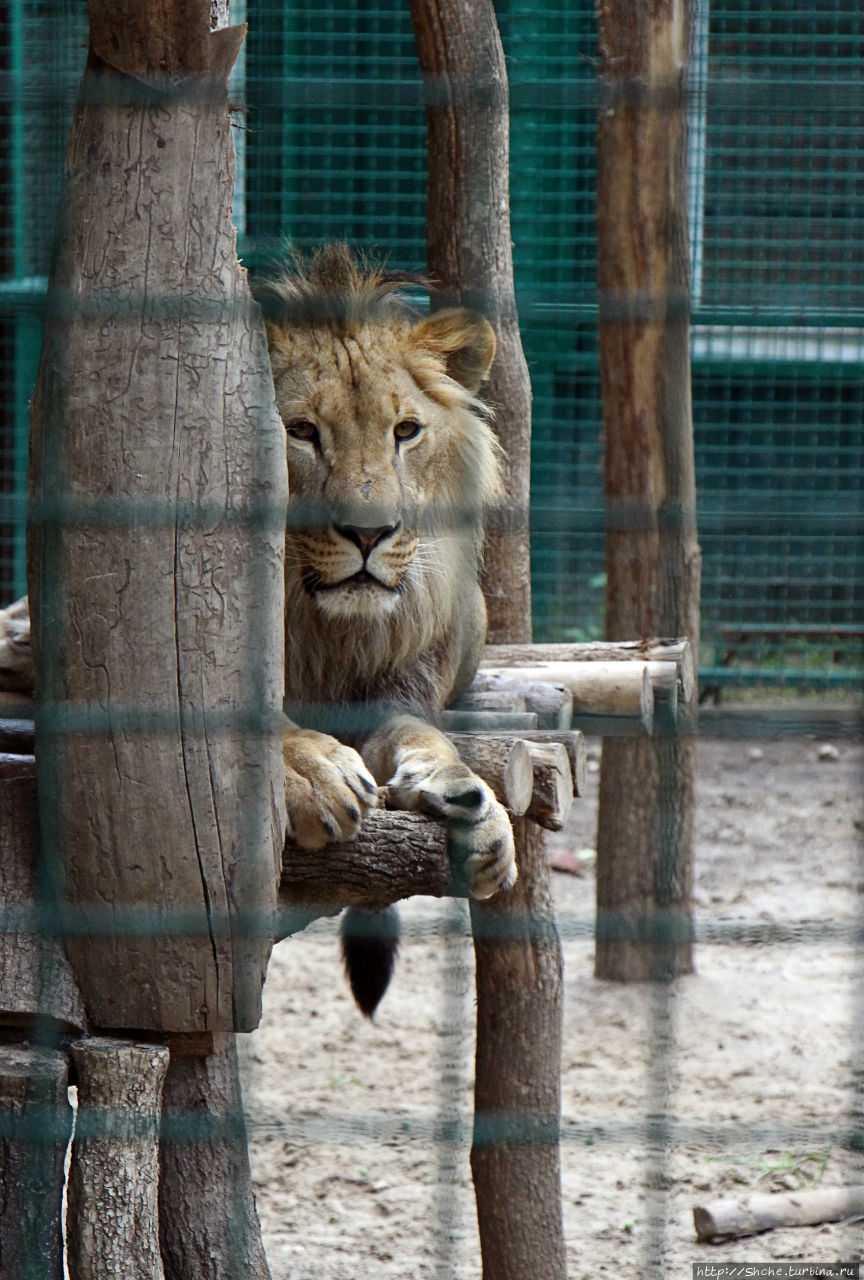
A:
[303,430]
[407,430]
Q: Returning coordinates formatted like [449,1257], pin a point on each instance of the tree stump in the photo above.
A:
[35,1125]
[113,1224]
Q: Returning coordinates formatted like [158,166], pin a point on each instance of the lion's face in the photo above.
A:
[390,463]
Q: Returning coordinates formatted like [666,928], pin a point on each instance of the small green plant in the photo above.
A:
[806,1167]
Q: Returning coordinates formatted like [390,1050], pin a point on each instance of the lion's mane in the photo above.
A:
[424,648]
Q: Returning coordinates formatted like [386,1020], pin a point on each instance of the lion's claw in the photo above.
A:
[328,788]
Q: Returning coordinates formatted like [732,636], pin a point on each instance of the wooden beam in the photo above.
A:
[656,653]
[599,688]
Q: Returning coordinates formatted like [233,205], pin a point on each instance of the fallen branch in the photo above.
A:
[748,1217]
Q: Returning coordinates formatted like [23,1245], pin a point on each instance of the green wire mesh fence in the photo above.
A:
[330,126]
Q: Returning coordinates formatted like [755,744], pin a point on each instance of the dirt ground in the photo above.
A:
[755,1060]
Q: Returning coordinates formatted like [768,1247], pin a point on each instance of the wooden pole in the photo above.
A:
[208,1226]
[158,481]
[469,256]
[644,842]
[519,1000]
[515,1154]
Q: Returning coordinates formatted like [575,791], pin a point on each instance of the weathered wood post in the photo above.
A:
[644,841]
[158,489]
[39,1005]
[158,482]
[515,1158]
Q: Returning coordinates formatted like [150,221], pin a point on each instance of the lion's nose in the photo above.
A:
[366,538]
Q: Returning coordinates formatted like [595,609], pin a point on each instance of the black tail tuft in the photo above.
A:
[370,942]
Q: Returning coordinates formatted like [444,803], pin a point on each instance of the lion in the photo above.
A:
[16,655]
[392,467]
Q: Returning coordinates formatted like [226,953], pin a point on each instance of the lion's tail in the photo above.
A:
[370,942]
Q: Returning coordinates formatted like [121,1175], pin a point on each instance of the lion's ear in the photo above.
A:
[464,339]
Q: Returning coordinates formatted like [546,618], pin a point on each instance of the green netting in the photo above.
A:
[331,131]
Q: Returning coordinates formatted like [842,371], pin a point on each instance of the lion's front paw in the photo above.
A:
[328,788]
[484,852]
[479,832]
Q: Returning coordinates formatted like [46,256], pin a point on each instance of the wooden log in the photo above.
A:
[208,1225]
[504,762]
[36,980]
[476,699]
[750,1215]
[678,651]
[113,1214]
[158,485]
[552,703]
[598,688]
[35,1125]
[645,822]
[17,734]
[552,796]
[515,1152]
[393,856]
[519,1009]
[487,721]
[469,255]
[573,741]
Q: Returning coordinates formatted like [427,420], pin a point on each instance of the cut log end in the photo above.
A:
[751,1215]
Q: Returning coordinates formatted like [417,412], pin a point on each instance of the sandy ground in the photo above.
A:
[754,1062]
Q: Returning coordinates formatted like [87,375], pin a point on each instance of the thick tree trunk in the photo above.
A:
[469,255]
[208,1225]
[35,1124]
[155,566]
[644,842]
[113,1213]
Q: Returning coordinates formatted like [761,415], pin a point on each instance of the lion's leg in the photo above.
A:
[421,769]
[328,788]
